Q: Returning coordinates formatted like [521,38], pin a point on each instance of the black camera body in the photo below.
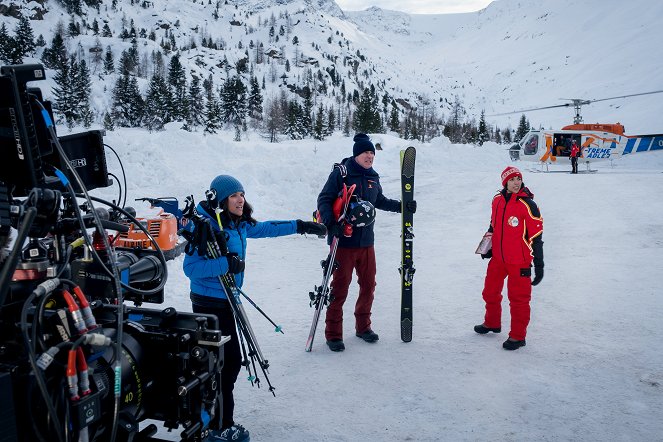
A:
[75,361]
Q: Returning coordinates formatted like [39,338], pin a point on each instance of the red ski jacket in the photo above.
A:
[517,228]
[575,151]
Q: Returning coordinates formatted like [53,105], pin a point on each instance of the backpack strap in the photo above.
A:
[342,169]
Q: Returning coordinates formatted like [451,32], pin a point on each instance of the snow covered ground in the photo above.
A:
[592,368]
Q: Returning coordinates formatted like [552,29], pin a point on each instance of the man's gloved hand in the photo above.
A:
[235,263]
[538,275]
[411,206]
[335,229]
[311,228]
[487,255]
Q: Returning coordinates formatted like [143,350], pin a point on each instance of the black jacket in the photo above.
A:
[368,188]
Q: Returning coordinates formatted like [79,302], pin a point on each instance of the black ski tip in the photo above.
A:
[406,330]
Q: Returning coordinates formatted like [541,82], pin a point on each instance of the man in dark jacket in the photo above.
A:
[356,251]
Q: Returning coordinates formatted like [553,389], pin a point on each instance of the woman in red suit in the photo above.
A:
[517,243]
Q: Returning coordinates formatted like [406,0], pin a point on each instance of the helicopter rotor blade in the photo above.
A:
[531,109]
[575,102]
[624,96]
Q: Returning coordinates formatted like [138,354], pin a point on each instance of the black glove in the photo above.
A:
[311,228]
[538,275]
[487,255]
[335,229]
[411,206]
[222,241]
[235,263]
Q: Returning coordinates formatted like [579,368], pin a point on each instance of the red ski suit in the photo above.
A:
[517,228]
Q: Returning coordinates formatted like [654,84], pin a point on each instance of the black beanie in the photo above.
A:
[362,144]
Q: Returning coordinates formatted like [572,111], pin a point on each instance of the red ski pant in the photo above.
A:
[362,259]
[519,287]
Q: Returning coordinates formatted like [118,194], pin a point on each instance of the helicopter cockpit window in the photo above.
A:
[531,144]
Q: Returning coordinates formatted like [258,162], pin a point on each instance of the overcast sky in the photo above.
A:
[416,6]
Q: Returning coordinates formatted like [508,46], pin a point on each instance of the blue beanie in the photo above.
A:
[362,144]
[224,186]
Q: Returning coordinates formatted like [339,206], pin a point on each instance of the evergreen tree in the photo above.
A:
[6,44]
[128,104]
[234,101]
[108,122]
[454,126]
[127,63]
[73,6]
[367,117]
[394,122]
[24,40]
[523,128]
[407,128]
[196,103]
[82,92]
[294,128]
[55,56]
[307,112]
[66,80]
[346,126]
[95,27]
[255,100]
[319,130]
[74,28]
[109,62]
[482,131]
[331,121]
[506,135]
[177,80]
[212,108]
[158,104]
[105,31]
[498,136]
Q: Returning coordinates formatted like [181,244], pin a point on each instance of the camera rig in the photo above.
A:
[76,362]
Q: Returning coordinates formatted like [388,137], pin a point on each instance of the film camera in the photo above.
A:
[76,362]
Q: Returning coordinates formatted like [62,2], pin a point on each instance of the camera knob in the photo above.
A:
[202,322]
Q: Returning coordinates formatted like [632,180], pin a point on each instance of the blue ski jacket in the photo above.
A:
[368,188]
[204,272]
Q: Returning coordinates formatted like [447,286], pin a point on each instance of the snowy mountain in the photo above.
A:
[512,55]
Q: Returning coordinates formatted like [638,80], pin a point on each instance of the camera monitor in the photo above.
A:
[86,155]
[23,139]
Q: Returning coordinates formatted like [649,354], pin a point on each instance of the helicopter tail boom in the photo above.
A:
[643,143]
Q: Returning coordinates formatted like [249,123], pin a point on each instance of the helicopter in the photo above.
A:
[597,142]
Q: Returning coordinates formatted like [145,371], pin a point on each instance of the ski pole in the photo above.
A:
[278,327]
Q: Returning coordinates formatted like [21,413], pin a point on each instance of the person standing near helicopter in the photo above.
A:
[516,226]
[575,153]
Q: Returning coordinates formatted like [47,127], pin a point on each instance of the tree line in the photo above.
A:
[175,95]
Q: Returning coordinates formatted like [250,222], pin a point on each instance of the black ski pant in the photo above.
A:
[232,357]
[574,164]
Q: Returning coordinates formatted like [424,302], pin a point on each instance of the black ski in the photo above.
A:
[408,157]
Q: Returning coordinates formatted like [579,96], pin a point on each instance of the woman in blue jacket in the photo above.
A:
[207,294]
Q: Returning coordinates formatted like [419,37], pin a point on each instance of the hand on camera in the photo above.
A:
[487,255]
